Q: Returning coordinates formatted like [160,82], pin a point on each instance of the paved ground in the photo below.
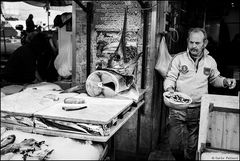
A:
[162,151]
[10,47]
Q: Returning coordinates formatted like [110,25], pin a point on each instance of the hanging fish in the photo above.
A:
[27,147]
[118,57]
[124,59]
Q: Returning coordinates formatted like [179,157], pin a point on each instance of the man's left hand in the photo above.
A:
[230,83]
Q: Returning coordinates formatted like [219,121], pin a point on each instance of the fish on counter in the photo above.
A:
[52,97]
[72,100]
[18,120]
[29,149]
[89,129]
[7,140]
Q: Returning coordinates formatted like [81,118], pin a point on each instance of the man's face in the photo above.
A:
[196,43]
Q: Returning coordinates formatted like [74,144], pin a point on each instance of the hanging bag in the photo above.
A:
[164,58]
[63,61]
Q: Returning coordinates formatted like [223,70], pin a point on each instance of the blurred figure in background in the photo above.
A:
[22,66]
[30,28]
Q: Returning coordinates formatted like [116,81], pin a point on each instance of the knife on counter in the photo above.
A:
[71,107]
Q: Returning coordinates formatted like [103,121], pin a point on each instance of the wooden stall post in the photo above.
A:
[74,81]
[79,39]
[149,125]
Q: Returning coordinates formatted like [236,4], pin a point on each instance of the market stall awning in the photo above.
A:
[43,3]
[50,2]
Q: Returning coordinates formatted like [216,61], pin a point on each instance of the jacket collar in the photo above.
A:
[205,53]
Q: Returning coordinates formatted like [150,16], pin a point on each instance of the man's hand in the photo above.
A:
[229,82]
[170,90]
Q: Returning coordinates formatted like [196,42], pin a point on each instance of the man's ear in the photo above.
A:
[205,43]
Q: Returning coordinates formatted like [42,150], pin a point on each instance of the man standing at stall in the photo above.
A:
[190,72]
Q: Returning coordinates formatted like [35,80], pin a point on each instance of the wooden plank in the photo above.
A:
[222,109]
[221,100]
[69,134]
[210,149]
[231,102]
[232,132]
[215,135]
[219,155]
[224,130]
[17,113]
[98,111]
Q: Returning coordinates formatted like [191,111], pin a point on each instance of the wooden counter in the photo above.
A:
[113,129]
[119,109]
[32,104]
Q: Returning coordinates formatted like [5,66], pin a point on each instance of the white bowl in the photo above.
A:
[170,102]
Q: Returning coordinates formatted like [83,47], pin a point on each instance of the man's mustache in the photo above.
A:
[193,49]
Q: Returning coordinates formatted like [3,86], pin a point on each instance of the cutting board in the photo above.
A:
[29,101]
[98,111]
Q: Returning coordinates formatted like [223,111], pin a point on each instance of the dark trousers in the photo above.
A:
[183,133]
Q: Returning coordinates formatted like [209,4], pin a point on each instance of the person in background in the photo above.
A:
[45,65]
[190,72]
[30,26]
[22,64]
